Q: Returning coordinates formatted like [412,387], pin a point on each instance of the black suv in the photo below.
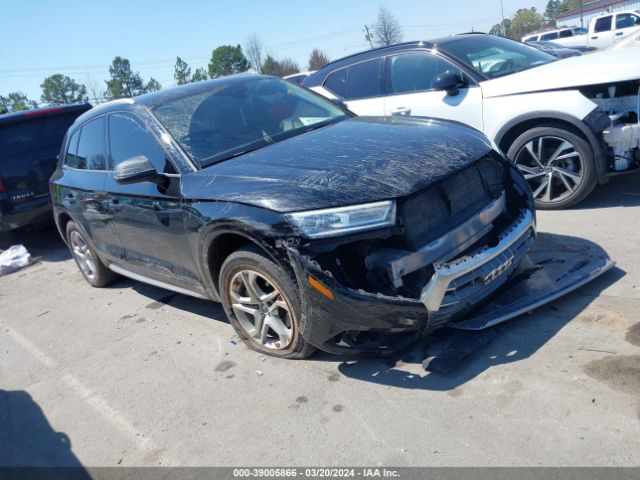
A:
[29,144]
[314,228]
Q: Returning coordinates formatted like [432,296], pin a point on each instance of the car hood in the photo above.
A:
[357,160]
[593,69]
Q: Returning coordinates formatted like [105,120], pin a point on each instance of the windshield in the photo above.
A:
[236,118]
[495,56]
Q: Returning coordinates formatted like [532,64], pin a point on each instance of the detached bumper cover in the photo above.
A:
[553,266]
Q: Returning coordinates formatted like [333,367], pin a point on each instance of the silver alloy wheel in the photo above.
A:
[552,166]
[261,309]
[83,254]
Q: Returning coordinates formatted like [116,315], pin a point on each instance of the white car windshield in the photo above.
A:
[495,56]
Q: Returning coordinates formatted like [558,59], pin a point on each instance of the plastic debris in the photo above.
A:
[14,258]
[259,373]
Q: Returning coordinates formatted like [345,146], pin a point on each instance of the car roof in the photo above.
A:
[53,110]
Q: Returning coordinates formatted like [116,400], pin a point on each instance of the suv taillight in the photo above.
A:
[1,185]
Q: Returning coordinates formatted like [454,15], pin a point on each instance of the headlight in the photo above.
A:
[331,222]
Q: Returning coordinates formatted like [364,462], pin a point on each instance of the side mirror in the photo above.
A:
[448,81]
[136,170]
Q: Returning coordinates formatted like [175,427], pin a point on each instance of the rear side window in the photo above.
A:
[549,36]
[363,80]
[337,83]
[71,158]
[626,20]
[603,24]
[129,138]
[414,72]
[91,150]
[34,134]
[566,33]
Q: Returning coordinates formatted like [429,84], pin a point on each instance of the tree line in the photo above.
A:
[59,89]
[527,20]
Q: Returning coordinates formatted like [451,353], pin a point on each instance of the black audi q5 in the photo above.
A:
[313,227]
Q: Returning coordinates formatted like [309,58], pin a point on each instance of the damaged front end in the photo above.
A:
[619,107]
[455,248]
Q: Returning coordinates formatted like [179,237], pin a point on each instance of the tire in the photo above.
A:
[93,270]
[270,326]
[572,174]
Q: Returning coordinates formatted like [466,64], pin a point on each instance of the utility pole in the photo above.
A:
[368,35]
[502,24]
[581,18]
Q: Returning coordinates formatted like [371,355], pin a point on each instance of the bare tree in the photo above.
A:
[318,59]
[387,30]
[254,50]
[96,92]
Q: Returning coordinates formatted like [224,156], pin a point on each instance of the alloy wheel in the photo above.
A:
[552,166]
[83,254]
[261,309]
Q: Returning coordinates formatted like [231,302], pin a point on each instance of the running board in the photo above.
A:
[154,282]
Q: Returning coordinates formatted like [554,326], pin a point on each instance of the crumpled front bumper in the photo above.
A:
[553,266]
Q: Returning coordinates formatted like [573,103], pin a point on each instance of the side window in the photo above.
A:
[603,24]
[337,83]
[128,137]
[363,80]
[71,158]
[626,20]
[92,148]
[414,72]
[549,36]
[566,33]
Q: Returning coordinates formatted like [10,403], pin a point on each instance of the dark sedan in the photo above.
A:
[314,228]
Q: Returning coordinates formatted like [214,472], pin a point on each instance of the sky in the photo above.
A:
[80,38]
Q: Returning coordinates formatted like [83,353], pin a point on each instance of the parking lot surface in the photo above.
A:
[135,375]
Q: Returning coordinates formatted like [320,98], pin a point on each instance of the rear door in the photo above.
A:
[409,78]
[602,35]
[148,217]
[360,86]
[626,24]
[80,188]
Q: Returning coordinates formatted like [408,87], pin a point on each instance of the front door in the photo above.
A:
[409,90]
[148,217]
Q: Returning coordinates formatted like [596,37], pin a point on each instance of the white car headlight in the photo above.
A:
[330,222]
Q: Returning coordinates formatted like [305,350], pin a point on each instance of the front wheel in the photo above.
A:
[262,302]
[558,164]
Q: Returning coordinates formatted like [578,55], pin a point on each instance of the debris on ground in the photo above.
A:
[14,258]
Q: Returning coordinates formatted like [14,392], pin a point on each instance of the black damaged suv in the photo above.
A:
[314,228]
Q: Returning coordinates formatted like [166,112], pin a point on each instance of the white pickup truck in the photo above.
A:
[603,31]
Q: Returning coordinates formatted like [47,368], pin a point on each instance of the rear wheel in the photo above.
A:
[94,271]
[558,164]
[262,302]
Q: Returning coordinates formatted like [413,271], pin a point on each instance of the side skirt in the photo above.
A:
[154,282]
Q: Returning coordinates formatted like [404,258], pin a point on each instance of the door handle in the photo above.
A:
[594,38]
[401,111]
[619,33]
[71,197]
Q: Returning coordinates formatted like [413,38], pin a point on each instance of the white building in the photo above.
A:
[580,17]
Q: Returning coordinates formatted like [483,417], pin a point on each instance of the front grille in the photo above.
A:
[466,292]
[432,212]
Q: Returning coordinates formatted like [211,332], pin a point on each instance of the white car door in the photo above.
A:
[410,92]
[359,86]
[602,35]
[626,24]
